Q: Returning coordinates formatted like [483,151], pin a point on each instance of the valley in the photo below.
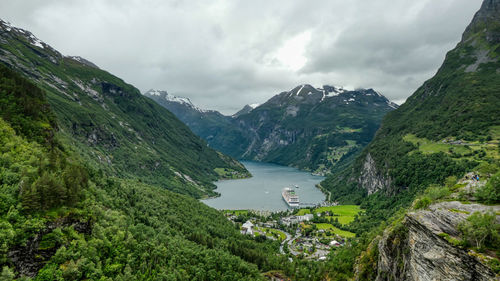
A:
[99,181]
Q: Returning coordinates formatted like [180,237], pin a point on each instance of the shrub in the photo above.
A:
[490,192]
[423,202]
[481,230]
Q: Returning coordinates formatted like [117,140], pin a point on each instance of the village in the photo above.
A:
[308,233]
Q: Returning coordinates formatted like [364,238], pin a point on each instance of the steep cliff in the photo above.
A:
[436,131]
[421,250]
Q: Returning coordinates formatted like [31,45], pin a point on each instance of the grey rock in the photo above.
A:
[370,178]
[417,252]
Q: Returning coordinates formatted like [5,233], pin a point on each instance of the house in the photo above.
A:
[334,243]
[247,228]
[306,217]
[296,219]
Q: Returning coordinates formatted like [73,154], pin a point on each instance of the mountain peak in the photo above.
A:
[9,32]
[487,21]
[83,61]
[307,94]
[171,98]
[246,109]
[7,26]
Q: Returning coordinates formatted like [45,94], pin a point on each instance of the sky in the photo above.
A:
[223,54]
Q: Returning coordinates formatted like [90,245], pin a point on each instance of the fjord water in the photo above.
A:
[263,190]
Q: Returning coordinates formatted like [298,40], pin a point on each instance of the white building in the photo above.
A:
[296,219]
[247,228]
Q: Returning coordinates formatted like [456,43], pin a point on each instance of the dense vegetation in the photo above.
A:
[446,128]
[71,222]
[110,124]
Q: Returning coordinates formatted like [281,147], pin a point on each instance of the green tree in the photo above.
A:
[7,274]
[481,230]
[490,192]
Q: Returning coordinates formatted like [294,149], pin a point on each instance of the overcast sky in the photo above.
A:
[224,54]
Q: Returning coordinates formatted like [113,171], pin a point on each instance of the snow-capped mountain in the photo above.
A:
[308,127]
[204,123]
[158,95]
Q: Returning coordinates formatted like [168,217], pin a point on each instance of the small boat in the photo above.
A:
[296,186]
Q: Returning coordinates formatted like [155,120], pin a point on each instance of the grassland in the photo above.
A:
[472,149]
[344,213]
[334,230]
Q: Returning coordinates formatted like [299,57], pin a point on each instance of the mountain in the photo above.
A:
[310,128]
[204,123]
[430,179]
[447,126]
[110,124]
[245,110]
[63,219]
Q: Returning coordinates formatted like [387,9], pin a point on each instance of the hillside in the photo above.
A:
[446,128]
[204,123]
[314,129]
[61,219]
[110,124]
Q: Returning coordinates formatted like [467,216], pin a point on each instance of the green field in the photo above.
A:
[327,226]
[270,231]
[302,212]
[344,213]
[428,147]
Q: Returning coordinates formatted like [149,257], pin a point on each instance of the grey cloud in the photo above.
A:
[219,53]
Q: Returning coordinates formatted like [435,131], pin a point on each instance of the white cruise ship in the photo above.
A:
[290,197]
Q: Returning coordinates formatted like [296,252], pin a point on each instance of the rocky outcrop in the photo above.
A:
[370,178]
[30,258]
[420,251]
[485,20]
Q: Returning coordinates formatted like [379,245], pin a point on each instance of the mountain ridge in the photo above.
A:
[270,131]
[109,122]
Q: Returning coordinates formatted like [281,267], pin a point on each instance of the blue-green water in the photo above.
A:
[263,190]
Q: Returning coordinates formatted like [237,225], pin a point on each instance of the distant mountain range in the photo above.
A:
[310,128]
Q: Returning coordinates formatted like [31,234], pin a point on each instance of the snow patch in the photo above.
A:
[176,99]
[254,105]
[154,93]
[351,99]
[391,104]
[298,92]
[35,41]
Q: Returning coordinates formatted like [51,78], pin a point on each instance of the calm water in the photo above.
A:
[263,190]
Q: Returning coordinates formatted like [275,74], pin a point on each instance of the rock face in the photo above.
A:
[29,259]
[487,16]
[370,177]
[419,251]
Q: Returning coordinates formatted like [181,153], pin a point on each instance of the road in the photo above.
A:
[289,239]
